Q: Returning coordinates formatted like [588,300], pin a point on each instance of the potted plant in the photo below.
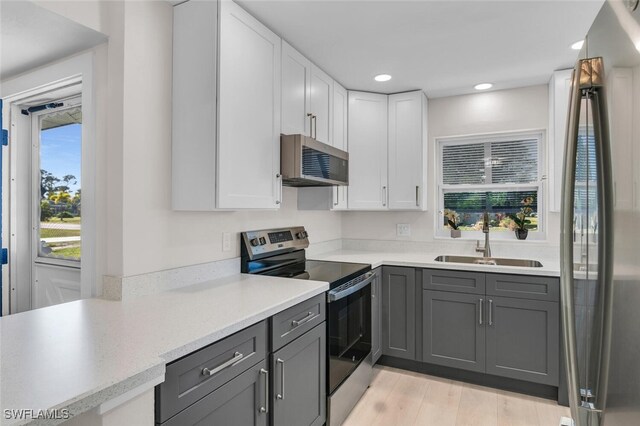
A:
[520,218]
[453,221]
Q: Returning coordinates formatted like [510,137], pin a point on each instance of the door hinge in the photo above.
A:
[4,256]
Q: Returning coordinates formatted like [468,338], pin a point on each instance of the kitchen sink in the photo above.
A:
[525,263]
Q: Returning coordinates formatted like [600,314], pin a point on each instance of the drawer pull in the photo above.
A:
[265,407]
[281,394]
[236,357]
[308,318]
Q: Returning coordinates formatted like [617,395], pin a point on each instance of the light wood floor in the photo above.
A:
[399,397]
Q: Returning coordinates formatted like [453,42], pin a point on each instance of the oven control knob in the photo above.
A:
[262,241]
[254,242]
[302,234]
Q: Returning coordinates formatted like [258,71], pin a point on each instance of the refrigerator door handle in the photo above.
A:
[587,81]
[605,236]
[566,246]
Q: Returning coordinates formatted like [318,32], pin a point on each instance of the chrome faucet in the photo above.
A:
[486,250]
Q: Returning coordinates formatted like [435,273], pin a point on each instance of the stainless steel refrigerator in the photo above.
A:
[600,241]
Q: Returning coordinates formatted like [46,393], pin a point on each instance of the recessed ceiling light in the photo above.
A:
[382,77]
[483,86]
[577,45]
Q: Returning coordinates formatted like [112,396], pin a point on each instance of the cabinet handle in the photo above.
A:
[281,394]
[315,127]
[298,323]
[265,407]
[417,195]
[310,115]
[490,312]
[480,316]
[236,357]
[384,196]
[337,196]
[279,188]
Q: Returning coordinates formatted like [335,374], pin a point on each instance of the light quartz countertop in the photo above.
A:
[426,259]
[79,355]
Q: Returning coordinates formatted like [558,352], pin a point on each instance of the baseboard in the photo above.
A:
[512,385]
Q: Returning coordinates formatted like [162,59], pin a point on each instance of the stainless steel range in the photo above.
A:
[281,252]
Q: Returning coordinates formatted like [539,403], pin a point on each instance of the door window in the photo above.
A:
[59,196]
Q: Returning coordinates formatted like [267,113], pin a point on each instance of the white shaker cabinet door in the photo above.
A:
[321,105]
[407,149]
[340,103]
[559,92]
[249,112]
[296,90]
[367,124]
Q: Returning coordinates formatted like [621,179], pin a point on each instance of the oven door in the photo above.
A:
[349,328]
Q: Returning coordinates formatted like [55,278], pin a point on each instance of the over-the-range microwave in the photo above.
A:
[306,162]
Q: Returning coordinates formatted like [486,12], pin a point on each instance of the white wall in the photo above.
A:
[506,110]
[141,231]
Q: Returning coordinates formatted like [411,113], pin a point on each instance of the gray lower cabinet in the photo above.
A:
[453,330]
[240,402]
[376,316]
[523,339]
[398,312]
[299,380]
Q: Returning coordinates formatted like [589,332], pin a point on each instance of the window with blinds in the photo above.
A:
[492,174]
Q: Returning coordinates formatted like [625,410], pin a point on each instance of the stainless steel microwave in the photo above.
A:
[306,162]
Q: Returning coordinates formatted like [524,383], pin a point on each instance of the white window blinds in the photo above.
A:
[492,162]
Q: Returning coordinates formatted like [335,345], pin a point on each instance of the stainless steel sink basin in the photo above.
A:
[524,263]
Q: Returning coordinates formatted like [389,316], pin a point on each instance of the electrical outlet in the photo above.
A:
[226,241]
[403,230]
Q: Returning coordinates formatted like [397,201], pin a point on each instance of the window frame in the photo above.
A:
[70,102]
[441,142]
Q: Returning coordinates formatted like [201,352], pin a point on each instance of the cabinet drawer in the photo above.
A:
[297,320]
[194,376]
[457,281]
[524,287]
[243,401]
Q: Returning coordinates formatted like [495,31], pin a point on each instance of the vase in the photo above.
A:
[456,233]
[521,234]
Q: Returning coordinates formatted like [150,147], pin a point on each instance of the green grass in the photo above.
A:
[73,252]
[54,233]
[71,220]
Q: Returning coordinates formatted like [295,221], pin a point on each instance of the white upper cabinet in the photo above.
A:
[559,92]
[367,126]
[307,97]
[296,91]
[407,146]
[321,105]
[195,59]
[249,112]
[340,106]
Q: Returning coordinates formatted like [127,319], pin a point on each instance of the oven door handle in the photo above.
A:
[334,295]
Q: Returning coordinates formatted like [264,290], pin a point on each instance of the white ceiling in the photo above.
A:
[31,36]
[442,47]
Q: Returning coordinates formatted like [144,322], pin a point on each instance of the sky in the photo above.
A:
[60,152]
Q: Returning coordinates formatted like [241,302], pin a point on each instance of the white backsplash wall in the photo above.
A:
[500,111]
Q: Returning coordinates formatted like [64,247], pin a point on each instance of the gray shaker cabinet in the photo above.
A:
[299,380]
[453,331]
[240,402]
[523,339]
[376,316]
[398,312]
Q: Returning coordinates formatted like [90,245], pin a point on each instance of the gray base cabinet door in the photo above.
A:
[299,380]
[376,317]
[523,339]
[453,330]
[240,402]
[399,312]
